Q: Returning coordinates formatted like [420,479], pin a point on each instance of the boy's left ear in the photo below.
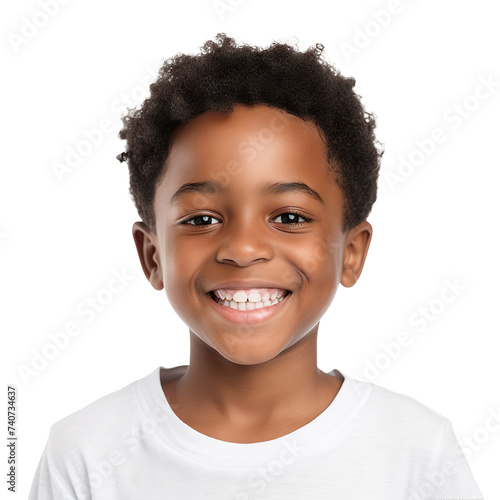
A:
[357,242]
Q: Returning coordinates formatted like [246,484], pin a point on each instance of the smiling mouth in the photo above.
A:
[248,306]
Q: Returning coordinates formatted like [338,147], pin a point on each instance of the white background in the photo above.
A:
[62,238]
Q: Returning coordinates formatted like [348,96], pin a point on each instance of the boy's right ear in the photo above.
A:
[147,248]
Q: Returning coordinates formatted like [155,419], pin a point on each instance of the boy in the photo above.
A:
[253,171]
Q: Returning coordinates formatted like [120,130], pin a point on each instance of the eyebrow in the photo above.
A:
[274,188]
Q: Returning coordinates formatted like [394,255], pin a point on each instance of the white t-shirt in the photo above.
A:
[370,443]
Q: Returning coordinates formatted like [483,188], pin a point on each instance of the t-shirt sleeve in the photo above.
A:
[48,483]
[450,475]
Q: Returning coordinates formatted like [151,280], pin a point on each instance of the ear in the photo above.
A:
[356,246]
[147,248]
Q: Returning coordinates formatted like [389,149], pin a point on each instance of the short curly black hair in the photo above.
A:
[224,74]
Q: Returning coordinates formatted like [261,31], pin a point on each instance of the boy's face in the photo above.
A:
[234,234]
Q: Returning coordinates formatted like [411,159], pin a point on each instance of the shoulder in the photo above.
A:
[100,422]
[84,439]
[403,404]
[402,417]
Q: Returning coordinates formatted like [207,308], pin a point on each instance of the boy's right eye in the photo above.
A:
[199,220]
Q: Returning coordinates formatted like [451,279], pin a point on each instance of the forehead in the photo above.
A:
[245,149]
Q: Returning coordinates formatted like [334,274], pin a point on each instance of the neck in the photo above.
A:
[251,403]
[267,390]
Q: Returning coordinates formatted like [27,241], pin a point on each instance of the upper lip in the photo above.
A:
[247,284]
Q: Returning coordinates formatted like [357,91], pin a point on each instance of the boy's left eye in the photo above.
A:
[292,218]
[288,218]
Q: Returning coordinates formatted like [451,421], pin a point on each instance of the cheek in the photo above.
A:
[180,262]
[319,261]
[315,257]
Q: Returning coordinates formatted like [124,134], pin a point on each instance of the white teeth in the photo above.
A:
[248,306]
[240,296]
[252,296]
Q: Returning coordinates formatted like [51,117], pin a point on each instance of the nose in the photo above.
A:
[244,244]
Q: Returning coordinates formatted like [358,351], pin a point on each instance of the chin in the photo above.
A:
[241,352]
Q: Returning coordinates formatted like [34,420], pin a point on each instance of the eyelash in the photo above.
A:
[289,212]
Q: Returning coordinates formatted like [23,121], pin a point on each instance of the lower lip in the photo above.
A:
[253,316]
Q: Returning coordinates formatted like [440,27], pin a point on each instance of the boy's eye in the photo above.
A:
[287,218]
[292,218]
[199,220]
